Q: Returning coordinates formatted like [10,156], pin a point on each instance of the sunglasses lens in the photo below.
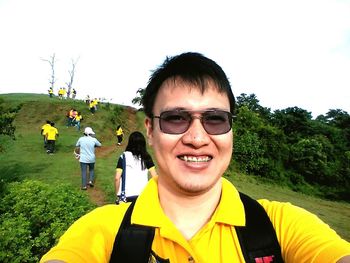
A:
[217,122]
[177,122]
[174,122]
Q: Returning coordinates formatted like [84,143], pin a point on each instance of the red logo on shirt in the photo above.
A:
[267,259]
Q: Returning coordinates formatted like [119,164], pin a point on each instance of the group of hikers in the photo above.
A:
[85,153]
[63,93]
[74,118]
[130,181]
[92,104]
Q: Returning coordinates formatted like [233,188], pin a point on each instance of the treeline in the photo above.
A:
[289,147]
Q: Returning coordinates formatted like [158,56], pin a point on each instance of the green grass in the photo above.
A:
[25,157]
[336,214]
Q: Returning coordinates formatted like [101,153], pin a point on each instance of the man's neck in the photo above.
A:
[190,213]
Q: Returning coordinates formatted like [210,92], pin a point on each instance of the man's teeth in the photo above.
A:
[195,159]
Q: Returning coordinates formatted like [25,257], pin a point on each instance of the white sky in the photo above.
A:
[288,53]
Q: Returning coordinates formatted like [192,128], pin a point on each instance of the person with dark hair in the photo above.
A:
[44,129]
[120,134]
[77,120]
[190,212]
[137,163]
[51,134]
[86,147]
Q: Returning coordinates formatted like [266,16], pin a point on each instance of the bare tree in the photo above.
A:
[71,74]
[51,61]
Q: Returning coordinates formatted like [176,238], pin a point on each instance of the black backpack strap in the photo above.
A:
[258,238]
[133,243]
[123,174]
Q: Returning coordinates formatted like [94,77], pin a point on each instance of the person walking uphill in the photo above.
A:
[51,134]
[137,163]
[190,212]
[44,129]
[120,134]
[86,147]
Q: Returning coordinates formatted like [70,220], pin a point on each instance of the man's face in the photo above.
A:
[178,155]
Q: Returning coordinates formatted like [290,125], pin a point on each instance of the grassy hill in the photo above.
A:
[25,157]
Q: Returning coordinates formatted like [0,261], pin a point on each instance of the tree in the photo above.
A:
[71,74]
[138,99]
[52,62]
[7,117]
[295,122]
[252,103]
[309,158]
[259,147]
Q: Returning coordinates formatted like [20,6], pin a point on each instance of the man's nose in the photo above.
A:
[196,134]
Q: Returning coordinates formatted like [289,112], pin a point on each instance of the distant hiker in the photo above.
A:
[95,103]
[92,107]
[86,147]
[137,163]
[76,121]
[74,93]
[61,92]
[70,117]
[87,99]
[50,91]
[51,136]
[44,129]
[120,134]
[64,93]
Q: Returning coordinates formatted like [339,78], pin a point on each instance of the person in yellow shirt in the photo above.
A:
[120,134]
[43,132]
[196,214]
[51,136]
[50,91]
[92,107]
[77,120]
[60,93]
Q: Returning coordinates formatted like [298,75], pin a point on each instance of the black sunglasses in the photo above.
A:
[215,122]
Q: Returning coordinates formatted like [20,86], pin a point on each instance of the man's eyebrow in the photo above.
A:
[186,109]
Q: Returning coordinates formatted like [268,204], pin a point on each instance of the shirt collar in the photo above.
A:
[148,211]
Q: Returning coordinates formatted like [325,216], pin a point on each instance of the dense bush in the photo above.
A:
[289,147]
[117,115]
[33,215]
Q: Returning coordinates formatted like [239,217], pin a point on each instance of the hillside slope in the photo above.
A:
[26,158]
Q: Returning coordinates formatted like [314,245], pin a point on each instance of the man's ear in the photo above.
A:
[149,130]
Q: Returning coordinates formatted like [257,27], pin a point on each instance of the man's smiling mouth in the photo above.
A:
[195,159]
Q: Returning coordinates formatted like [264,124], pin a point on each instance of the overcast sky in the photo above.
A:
[288,53]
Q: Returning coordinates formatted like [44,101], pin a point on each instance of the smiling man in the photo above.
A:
[190,213]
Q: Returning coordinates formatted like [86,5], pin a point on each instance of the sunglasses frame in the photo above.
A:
[192,117]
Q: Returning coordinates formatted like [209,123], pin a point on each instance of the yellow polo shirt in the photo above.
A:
[91,238]
[51,133]
[119,131]
[45,128]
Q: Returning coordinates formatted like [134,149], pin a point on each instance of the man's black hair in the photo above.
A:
[190,67]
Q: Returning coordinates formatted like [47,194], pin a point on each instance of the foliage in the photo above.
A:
[116,115]
[7,116]
[138,99]
[290,147]
[34,215]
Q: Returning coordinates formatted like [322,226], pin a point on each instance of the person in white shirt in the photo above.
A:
[138,163]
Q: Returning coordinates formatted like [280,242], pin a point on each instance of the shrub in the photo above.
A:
[34,215]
